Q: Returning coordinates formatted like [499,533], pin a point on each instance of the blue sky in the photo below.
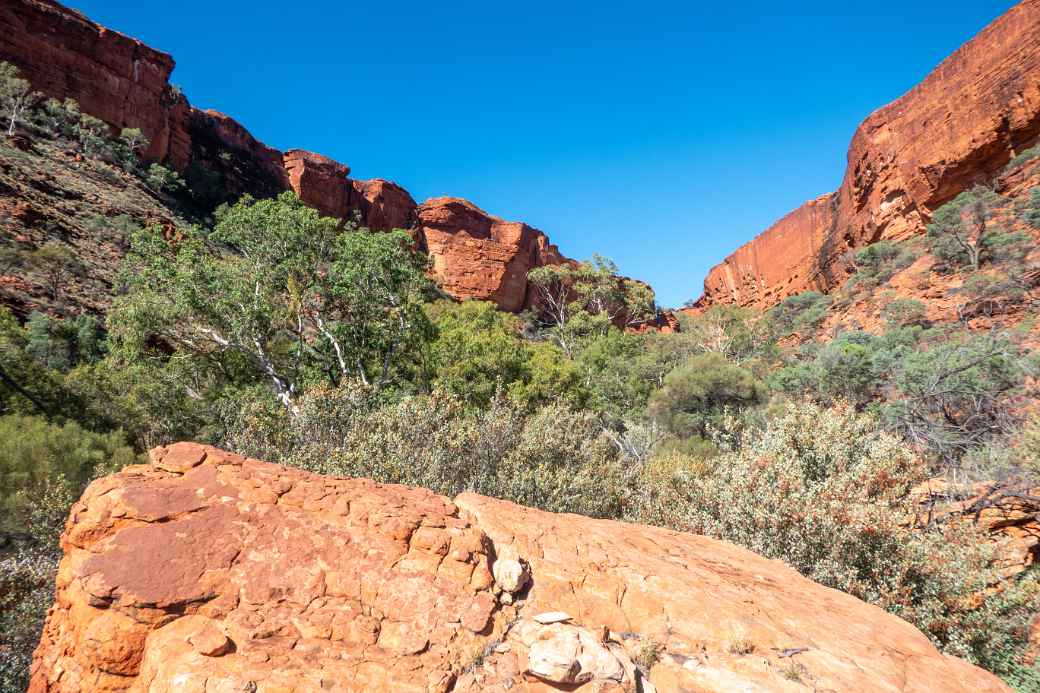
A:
[660,134]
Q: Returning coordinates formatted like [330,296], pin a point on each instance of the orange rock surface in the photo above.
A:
[961,125]
[207,571]
[476,255]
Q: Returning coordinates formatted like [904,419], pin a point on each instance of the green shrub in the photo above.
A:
[826,491]
[555,459]
[801,312]
[961,233]
[163,180]
[1031,214]
[34,453]
[477,350]
[1023,157]
[696,393]
[903,312]
[956,394]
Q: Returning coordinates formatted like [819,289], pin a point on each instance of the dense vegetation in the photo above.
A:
[301,340]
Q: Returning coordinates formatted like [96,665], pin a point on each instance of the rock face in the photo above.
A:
[126,83]
[113,77]
[960,126]
[206,571]
[476,255]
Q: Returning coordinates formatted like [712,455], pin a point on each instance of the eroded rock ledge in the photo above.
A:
[207,571]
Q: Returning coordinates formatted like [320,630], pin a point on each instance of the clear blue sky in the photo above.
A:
[660,134]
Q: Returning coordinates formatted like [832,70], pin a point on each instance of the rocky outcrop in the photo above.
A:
[960,126]
[125,83]
[113,77]
[383,205]
[477,255]
[207,571]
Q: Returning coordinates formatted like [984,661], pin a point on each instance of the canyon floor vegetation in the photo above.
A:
[269,330]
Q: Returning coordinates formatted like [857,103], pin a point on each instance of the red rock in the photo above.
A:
[125,83]
[221,144]
[113,77]
[209,571]
[961,125]
[319,181]
[384,205]
[477,255]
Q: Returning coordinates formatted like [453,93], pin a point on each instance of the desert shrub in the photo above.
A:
[163,180]
[60,344]
[477,350]
[94,138]
[28,567]
[739,334]
[555,459]
[988,294]
[902,312]
[1023,157]
[826,491]
[798,313]
[34,452]
[854,367]
[1031,213]
[118,229]
[550,376]
[956,394]
[1002,247]
[16,97]
[961,233]
[876,263]
[699,391]
[59,118]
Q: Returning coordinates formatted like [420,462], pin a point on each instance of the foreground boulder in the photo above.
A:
[207,571]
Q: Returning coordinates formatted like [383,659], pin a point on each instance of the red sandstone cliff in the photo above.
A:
[126,83]
[961,125]
[476,255]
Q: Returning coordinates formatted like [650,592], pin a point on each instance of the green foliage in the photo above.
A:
[1022,158]
[576,302]
[163,180]
[877,263]
[739,334]
[279,293]
[57,264]
[59,117]
[798,313]
[956,394]
[904,312]
[827,492]
[34,453]
[16,97]
[477,350]
[960,231]
[60,344]
[1031,213]
[554,459]
[698,392]
[130,147]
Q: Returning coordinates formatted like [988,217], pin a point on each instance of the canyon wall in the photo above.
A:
[958,127]
[208,571]
[126,83]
